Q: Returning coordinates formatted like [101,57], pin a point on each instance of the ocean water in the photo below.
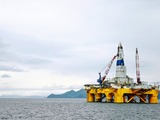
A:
[74,109]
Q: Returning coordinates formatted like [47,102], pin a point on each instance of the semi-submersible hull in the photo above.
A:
[121,95]
[121,88]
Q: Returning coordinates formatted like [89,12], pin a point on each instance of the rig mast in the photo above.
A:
[137,67]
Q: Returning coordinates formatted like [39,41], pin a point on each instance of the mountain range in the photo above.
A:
[70,94]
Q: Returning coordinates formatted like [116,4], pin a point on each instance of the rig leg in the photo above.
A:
[109,97]
[118,96]
[124,99]
[153,98]
[90,97]
[98,97]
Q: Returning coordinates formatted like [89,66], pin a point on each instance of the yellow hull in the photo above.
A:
[122,95]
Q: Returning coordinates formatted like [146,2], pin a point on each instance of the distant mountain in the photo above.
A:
[70,94]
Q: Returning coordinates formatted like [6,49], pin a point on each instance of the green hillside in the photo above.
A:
[70,94]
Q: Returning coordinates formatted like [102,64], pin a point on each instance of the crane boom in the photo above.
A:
[100,80]
[109,65]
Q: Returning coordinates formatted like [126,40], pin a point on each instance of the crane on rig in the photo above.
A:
[100,80]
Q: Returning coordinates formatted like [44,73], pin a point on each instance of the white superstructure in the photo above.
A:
[121,72]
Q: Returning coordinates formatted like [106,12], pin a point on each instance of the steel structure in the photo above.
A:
[121,88]
[137,67]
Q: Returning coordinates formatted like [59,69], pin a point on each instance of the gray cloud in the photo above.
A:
[37,61]
[5,76]
[10,68]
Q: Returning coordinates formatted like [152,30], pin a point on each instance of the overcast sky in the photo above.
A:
[51,46]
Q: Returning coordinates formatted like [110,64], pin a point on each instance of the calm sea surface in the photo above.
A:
[74,109]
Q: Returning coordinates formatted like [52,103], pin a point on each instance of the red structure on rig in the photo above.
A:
[137,67]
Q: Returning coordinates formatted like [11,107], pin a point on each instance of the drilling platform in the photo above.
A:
[122,88]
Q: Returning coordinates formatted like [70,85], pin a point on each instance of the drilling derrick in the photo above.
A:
[137,67]
[121,88]
[120,67]
[121,73]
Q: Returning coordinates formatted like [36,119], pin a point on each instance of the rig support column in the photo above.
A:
[98,97]
[90,97]
[153,98]
[118,96]
[109,97]
[124,99]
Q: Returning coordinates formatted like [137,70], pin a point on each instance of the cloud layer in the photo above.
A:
[66,43]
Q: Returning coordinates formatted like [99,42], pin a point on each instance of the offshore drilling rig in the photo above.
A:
[121,88]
